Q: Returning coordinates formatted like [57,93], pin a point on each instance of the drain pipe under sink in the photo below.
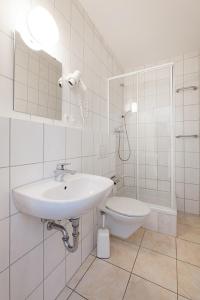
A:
[75,233]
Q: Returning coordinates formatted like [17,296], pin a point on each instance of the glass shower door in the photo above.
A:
[154,136]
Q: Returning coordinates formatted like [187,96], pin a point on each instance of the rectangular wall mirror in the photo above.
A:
[36,75]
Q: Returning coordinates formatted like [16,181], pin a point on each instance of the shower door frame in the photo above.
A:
[172,121]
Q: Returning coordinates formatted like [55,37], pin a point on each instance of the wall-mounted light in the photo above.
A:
[38,29]
[134,107]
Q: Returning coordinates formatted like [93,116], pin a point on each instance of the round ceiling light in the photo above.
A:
[39,31]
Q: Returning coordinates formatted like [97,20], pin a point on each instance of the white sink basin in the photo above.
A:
[49,199]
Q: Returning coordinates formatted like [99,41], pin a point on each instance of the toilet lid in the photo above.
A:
[127,206]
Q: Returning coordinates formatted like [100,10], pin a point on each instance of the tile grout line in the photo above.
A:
[9,208]
[43,258]
[154,283]
[133,265]
[176,269]
[74,289]
[158,252]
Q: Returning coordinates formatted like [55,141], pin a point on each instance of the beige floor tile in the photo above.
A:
[140,289]
[188,219]
[75,296]
[136,238]
[182,298]
[189,233]
[188,281]
[103,281]
[162,243]
[188,252]
[123,254]
[81,271]
[157,268]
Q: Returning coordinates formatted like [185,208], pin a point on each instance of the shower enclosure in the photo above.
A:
[141,117]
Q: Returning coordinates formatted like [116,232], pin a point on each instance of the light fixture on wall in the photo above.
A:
[134,107]
[38,29]
[131,107]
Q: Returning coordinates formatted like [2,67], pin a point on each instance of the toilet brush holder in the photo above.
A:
[103,241]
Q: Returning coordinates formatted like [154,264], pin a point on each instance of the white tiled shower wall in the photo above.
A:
[187,121]
[33,262]
[187,116]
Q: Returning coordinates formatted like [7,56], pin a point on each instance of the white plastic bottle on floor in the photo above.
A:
[103,241]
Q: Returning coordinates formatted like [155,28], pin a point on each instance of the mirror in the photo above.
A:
[36,75]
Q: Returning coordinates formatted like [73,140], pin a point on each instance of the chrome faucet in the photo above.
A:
[61,171]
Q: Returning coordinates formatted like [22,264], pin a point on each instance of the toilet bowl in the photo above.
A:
[124,215]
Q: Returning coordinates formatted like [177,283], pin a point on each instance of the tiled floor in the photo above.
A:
[148,265]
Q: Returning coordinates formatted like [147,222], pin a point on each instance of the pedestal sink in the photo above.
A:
[52,200]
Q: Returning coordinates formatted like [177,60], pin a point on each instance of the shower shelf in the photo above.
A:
[187,136]
[187,88]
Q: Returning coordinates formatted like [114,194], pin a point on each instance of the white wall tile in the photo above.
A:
[87,223]
[54,252]
[191,112]
[21,175]
[4,193]
[26,142]
[26,233]
[88,165]
[6,100]
[191,65]
[73,262]
[87,245]
[77,20]
[54,142]
[191,127]
[191,175]
[4,284]
[192,160]
[34,155]
[179,174]
[192,191]
[180,190]
[180,204]
[26,274]
[192,206]
[73,143]
[87,143]
[55,282]
[6,54]
[4,244]
[4,137]
[37,294]
[64,294]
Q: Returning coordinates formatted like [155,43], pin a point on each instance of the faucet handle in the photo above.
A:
[61,166]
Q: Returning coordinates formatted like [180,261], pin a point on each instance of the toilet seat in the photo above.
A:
[128,207]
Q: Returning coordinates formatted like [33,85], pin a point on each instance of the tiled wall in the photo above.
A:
[187,118]
[151,92]
[36,259]
[187,122]
[33,262]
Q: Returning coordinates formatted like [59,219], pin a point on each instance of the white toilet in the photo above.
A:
[124,215]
